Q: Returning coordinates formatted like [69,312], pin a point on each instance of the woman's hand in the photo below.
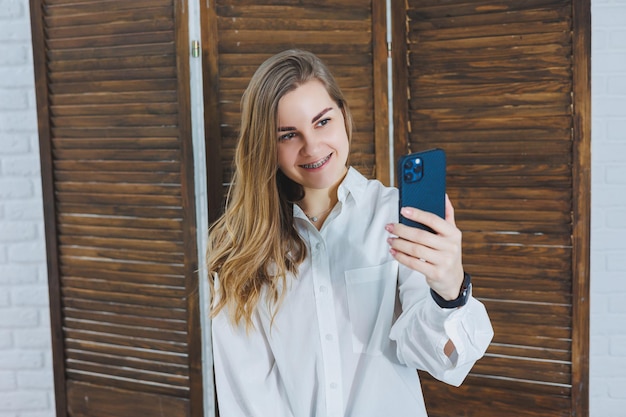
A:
[436,255]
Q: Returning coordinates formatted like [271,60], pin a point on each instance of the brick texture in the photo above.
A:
[608,224]
[26,383]
[25,369]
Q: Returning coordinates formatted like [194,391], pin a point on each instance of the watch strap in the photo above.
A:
[461,300]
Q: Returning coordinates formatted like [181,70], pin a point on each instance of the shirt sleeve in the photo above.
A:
[423,329]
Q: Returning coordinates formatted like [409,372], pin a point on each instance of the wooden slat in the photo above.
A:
[148,289]
[495,17]
[75,8]
[99,41]
[133,385]
[125,319]
[128,362]
[495,41]
[137,17]
[430,9]
[132,299]
[116,143]
[553,372]
[170,312]
[121,221]
[132,189]
[126,330]
[122,51]
[520,271]
[115,86]
[493,27]
[160,22]
[137,342]
[112,265]
[115,166]
[103,98]
[496,395]
[115,132]
[112,109]
[129,210]
[73,271]
[125,372]
[103,350]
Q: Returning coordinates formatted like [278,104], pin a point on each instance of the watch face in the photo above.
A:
[466,290]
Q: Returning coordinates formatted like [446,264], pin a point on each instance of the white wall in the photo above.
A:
[25,364]
[26,388]
[608,204]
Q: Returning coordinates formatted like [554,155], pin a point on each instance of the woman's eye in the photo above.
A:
[323,122]
[286,136]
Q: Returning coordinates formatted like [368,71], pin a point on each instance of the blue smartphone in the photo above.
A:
[422,183]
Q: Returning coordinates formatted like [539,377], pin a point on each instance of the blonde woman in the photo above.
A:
[322,301]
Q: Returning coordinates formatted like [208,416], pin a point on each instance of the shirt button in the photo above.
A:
[333,385]
[318,245]
[329,337]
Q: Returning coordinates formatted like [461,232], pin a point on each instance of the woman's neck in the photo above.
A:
[318,202]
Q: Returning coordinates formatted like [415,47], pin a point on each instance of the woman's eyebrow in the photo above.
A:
[323,112]
[315,119]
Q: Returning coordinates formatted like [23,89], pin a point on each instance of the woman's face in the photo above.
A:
[312,140]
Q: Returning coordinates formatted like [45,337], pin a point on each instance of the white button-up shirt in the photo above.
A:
[353,327]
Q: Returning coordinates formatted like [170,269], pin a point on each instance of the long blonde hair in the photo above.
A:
[254,244]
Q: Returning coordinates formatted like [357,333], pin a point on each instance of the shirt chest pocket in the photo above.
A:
[371,296]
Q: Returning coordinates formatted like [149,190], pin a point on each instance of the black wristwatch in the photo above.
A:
[461,300]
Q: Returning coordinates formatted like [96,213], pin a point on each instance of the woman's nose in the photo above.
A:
[309,144]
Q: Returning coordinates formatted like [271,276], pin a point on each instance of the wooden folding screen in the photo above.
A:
[114,125]
[347,34]
[503,87]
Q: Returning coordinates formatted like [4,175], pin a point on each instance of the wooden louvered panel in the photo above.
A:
[492,83]
[348,35]
[116,133]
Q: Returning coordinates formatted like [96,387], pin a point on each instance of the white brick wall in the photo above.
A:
[26,387]
[608,203]
[25,364]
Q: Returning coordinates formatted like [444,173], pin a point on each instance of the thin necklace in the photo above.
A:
[317,216]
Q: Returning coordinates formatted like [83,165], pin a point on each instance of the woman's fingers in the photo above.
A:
[437,255]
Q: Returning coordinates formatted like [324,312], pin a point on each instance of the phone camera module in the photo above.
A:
[413,170]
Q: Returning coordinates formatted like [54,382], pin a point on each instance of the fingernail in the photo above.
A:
[389,227]
[393,252]
[389,240]
[406,211]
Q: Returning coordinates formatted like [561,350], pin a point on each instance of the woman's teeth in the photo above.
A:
[316,164]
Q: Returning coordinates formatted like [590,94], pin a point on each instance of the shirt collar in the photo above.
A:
[353,186]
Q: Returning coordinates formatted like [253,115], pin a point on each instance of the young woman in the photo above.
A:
[322,301]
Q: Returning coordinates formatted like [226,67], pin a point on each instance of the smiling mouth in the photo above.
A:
[317,164]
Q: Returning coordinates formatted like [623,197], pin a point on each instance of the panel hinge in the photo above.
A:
[195,49]
[389,49]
